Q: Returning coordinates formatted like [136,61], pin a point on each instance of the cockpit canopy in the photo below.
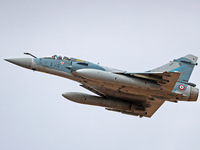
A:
[57,57]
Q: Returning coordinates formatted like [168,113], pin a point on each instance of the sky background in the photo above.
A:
[132,35]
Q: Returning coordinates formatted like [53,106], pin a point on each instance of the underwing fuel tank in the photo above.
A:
[121,106]
[101,76]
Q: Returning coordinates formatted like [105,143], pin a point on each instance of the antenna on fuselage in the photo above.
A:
[30,55]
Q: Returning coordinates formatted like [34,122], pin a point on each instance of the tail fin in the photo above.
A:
[185,65]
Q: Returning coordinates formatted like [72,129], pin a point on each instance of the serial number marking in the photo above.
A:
[55,65]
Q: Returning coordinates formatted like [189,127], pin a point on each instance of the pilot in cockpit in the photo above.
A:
[59,57]
[54,56]
[66,58]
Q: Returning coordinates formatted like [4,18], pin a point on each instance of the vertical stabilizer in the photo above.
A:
[184,65]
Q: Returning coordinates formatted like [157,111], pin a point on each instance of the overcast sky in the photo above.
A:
[132,35]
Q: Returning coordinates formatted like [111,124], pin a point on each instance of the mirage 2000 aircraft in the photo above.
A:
[133,93]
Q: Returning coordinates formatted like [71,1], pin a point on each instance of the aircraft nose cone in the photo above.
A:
[23,62]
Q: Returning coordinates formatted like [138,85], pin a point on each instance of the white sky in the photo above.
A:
[130,35]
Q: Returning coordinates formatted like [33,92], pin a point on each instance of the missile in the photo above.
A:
[110,104]
[109,77]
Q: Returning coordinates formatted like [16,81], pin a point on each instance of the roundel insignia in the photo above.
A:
[181,87]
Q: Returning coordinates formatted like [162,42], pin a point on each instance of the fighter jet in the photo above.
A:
[133,93]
